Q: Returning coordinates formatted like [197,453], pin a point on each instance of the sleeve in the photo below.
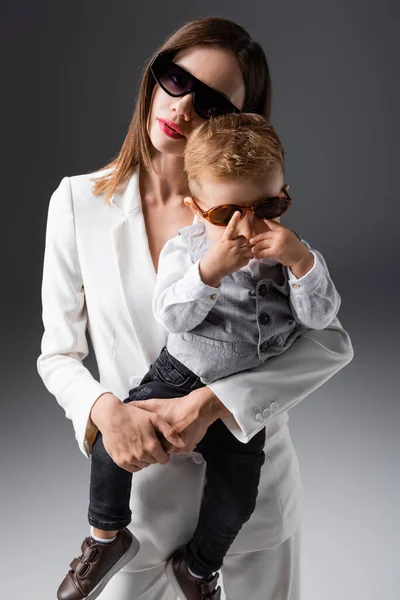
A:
[64,344]
[181,299]
[314,299]
[279,383]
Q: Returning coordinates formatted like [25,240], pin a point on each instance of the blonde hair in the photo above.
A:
[234,145]
[137,147]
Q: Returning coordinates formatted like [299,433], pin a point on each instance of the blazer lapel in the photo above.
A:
[136,269]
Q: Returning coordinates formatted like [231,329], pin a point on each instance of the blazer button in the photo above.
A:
[264,318]
[264,347]
[266,413]
[259,417]
[274,406]
[197,458]
[262,290]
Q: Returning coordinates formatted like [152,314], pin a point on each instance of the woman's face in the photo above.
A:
[217,68]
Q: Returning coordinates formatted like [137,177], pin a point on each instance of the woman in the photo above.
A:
[104,236]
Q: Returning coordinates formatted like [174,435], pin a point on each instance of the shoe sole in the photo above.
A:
[169,572]
[125,558]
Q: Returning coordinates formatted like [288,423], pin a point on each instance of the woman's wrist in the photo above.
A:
[104,406]
[210,406]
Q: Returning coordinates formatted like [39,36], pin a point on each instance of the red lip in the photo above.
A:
[172,126]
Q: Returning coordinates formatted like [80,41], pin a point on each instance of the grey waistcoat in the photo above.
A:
[250,321]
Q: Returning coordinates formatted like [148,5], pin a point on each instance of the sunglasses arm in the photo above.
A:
[203,214]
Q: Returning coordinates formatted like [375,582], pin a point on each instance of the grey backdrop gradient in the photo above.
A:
[71,78]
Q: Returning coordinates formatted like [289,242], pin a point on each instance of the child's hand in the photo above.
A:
[285,246]
[225,256]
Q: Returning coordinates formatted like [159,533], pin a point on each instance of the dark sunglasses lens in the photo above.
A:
[222,216]
[208,103]
[271,208]
[177,82]
[173,79]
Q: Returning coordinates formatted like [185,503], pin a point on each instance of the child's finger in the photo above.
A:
[272,224]
[259,238]
[230,232]
[260,246]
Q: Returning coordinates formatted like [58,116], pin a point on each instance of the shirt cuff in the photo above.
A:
[307,282]
[196,286]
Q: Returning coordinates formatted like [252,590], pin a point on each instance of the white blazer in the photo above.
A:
[98,276]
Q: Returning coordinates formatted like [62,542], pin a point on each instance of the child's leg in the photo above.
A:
[232,479]
[110,488]
[110,485]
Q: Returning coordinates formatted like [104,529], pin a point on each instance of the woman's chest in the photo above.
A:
[161,224]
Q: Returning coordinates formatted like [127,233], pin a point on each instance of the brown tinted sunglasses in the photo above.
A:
[270,208]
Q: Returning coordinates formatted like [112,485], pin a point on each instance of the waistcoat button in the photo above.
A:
[264,318]
[262,289]
[264,347]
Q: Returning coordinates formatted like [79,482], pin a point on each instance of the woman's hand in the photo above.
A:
[190,416]
[130,433]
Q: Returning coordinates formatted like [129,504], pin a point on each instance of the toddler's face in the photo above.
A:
[242,192]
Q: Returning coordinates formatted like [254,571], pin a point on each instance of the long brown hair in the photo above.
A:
[136,149]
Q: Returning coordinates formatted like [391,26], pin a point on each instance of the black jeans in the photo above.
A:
[232,474]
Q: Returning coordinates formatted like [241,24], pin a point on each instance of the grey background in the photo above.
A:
[68,88]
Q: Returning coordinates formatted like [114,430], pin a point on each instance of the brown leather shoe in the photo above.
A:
[185,585]
[90,573]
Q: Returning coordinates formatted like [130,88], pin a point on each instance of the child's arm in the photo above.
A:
[181,299]
[314,299]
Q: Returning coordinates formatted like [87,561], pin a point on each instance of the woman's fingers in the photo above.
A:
[133,441]
[133,469]
[170,434]
[132,464]
[135,466]
[151,404]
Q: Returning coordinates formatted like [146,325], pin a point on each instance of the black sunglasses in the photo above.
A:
[176,81]
[270,208]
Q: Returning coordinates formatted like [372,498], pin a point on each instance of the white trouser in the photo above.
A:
[271,574]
